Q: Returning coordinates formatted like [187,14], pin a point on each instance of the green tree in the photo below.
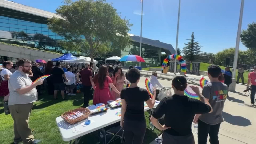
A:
[44,41]
[248,37]
[221,56]
[22,35]
[192,49]
[178,51]
[206,57]
[93,26]
[134,51]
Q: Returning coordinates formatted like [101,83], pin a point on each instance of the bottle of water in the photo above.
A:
[195,126]
[151,126]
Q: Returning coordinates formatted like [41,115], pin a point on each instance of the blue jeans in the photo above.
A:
[253,91]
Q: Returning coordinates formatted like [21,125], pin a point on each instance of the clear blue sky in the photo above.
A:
[214,22]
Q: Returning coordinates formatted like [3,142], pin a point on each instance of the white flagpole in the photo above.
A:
[142,1]
[177,36]
[233,85]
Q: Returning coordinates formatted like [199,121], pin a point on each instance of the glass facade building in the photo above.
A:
[13,25]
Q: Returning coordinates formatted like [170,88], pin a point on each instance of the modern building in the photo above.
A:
[27,26]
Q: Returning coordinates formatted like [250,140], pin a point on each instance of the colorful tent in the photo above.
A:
[67,56]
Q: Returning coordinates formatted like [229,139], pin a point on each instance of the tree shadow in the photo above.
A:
[1,111]
[236,120]
[232,99]
[246,94]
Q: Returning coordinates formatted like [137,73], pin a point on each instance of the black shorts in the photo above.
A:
[59,86]
[170,139]
[71,87]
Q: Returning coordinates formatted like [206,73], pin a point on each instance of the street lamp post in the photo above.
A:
[233,84]
[177,36]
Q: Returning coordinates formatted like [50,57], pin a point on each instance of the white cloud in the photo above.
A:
[137,12]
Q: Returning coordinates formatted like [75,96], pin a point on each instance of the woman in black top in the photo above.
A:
[179,111]
[132,113]
[36,74]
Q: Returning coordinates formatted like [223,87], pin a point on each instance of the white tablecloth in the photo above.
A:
[99,121]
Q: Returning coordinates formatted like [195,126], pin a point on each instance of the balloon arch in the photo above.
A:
[177,57]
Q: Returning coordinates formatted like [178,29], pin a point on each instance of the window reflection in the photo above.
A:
[35,33]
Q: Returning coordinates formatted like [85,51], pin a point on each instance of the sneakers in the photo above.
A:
[36,141]
[71,94]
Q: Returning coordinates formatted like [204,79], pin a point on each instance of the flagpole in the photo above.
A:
[142,1]
[177,37]
[233,84]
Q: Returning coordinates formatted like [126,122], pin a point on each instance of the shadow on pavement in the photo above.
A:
[236,120]
[232,99]
[241,94]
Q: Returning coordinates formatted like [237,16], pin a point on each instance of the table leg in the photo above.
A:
[75,141]
[115,135]
[103,135]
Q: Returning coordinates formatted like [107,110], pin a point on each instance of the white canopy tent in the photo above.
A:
[115,58]
[82,59]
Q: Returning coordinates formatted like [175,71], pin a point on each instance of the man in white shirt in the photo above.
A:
[71,81]
[23,94]
[154,81]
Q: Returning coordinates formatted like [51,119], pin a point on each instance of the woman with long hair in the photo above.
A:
[48,69]
[118,79]
[102,82]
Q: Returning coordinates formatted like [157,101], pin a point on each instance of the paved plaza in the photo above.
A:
[240,120]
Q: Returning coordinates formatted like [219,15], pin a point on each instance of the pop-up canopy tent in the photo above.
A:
[67,56]
[81,59]
[115,58]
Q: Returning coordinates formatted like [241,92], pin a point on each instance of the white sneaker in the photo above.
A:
[69,94]
[72,94]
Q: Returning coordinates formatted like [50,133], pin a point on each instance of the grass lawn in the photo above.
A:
[204,67]
[42,122]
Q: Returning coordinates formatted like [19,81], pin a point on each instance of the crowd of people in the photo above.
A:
[109,83]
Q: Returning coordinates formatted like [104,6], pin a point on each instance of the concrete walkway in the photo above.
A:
[240,120]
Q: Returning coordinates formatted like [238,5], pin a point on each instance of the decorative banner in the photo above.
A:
[41,78]
[203,82]
[182,62]
[190,93]
[149,87]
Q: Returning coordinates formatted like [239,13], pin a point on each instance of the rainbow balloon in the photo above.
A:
[190,93]
[182,62]
[203,82]
[41,78]
[149,87]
